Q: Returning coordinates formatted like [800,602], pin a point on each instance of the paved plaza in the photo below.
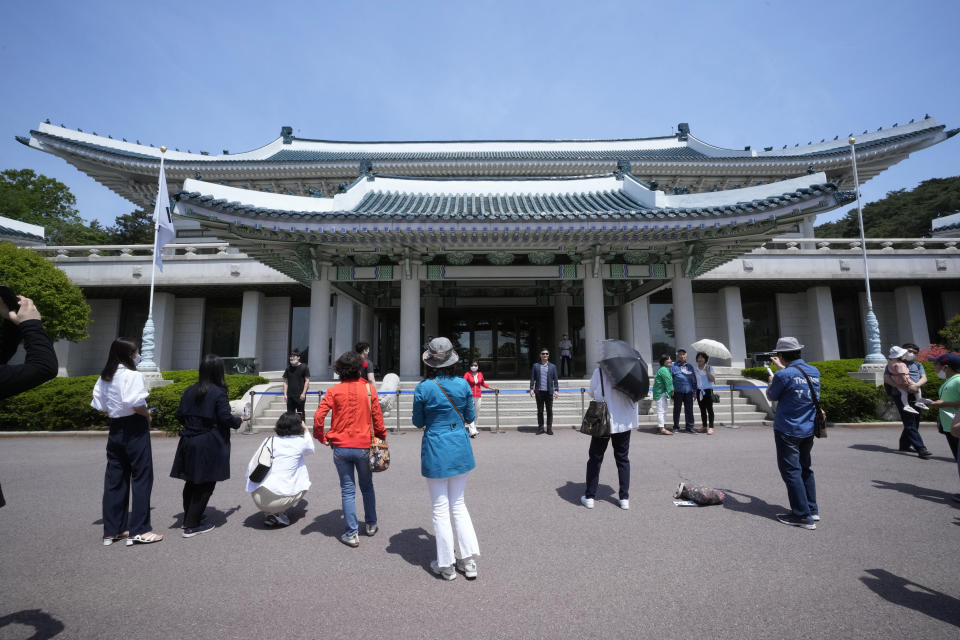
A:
[882,563]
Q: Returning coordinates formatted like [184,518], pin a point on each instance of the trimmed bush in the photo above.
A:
[63,404]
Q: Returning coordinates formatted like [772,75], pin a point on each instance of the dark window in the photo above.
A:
[133,315]
[933,308]
[846,313]
[221,328]
[761,325]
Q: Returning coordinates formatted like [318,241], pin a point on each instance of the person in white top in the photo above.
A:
[624,418]
[288,480]
[121,393]
[705,380]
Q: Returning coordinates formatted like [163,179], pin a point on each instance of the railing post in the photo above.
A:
[733,418]
[583,409]
[496,404]
[249,428]
[396,430]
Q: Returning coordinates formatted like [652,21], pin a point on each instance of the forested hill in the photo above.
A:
[902,214]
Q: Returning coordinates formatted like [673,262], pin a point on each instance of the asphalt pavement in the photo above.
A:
[883,562]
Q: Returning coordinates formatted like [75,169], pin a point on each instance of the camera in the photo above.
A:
[9,298]
[763,358]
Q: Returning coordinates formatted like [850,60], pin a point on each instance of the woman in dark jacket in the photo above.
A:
[203,454]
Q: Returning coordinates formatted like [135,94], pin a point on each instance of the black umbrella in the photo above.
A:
[625,368]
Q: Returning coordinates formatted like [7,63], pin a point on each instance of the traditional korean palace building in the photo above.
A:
[503,246]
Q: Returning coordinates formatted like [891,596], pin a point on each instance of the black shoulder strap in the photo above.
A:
[816,400]
[602,394]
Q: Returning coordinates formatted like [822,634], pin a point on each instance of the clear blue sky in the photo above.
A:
[227,75]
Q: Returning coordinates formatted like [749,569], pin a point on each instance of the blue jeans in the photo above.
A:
[346,460]
[793,460]
[910,436]
[683,399]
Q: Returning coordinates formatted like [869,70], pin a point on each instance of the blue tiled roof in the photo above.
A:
[599,205]
[678,153]
[16,233]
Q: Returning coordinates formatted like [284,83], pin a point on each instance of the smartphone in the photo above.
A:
[9,298]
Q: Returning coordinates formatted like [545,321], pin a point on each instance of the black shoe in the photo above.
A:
[794,521]
[924,454]
[690,431]
[549,432]
[905,449]
[540,432]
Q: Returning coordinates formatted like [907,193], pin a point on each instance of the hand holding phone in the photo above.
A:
[9,299]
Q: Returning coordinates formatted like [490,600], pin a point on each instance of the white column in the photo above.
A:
[684,318]
[251,327]
[431,316]
[320,327]
[911,317]
[731,310]
[410,341]
[593,315]
[625,322]
[642,341]
[806,231]
[65,351]
[343,331]
[822,325]
[164,308]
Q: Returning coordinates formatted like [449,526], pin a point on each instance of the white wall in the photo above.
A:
[89,356]
[792,313]
[188,329]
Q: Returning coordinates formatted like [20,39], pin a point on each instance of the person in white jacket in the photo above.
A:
[623,419]
[288,480]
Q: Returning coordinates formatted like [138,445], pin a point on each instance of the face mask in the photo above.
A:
[293,362]
[908,357]
[942,374]
[474,369]
[137,360]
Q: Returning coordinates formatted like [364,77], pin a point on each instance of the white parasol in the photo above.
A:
[712,348]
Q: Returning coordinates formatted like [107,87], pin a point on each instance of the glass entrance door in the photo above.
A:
[501,340]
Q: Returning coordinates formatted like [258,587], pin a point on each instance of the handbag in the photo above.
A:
[820,417]
[260,472]
[379,449]
[596,421]
[714,397]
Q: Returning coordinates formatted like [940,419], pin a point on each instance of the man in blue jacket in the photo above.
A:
[793,430]
[544,386]
[684,386]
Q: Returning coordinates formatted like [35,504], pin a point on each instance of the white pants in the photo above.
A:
[661,410]
[269,502]
[472,426]
[447,497]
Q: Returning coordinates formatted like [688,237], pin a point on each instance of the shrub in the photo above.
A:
[63,404]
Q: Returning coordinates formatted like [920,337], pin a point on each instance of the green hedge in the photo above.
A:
[847,399]
[63,404]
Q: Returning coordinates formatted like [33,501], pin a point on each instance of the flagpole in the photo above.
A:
[147,344]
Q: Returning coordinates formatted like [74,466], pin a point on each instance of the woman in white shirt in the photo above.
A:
[287,480]
[121,393]
[623,419]
[705,380]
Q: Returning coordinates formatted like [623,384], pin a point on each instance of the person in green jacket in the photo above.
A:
[662,392]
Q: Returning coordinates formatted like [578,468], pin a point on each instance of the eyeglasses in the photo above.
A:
[544,353]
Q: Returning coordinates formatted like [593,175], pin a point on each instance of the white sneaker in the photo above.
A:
[908,409]
[447,573]
[468,568]
[624,504]
[587,502]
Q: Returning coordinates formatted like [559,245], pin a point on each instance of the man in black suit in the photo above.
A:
[544,386]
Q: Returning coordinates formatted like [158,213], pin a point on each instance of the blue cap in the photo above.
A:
[951,360]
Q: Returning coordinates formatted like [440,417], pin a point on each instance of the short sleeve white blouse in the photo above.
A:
[119,396]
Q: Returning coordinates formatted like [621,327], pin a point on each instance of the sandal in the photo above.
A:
[144,538]
[710,431]
[109,540]
[665,432]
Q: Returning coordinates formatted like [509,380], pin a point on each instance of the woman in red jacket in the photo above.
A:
[355,416]
[475,379]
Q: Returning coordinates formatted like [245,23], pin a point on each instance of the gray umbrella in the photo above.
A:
[625,368]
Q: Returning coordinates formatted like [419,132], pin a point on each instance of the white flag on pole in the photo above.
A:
[162,219]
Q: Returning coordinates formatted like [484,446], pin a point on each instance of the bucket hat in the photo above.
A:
[440,353]
[787,344]
[896,352]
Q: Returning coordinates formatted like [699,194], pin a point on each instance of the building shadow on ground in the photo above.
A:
[876,448]
[528,430]
[416,546]
[43,624]
[329,524]
[295,513]
[212,515]
[911,595]
[930,495]
[572,491]
[745,503]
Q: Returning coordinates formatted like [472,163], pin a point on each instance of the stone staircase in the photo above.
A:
[517,410]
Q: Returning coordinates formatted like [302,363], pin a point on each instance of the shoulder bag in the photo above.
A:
[264,462]
[820,417]
[379,449]
[596,421]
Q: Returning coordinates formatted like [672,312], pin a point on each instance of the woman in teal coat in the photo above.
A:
[442,406]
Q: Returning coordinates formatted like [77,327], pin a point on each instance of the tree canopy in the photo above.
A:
[36,199]
[60,302]
[901,214]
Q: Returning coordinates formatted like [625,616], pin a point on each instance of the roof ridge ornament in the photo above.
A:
[287,134]
[683,131]
[623,167]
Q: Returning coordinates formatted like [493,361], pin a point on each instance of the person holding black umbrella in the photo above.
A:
[620,380]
